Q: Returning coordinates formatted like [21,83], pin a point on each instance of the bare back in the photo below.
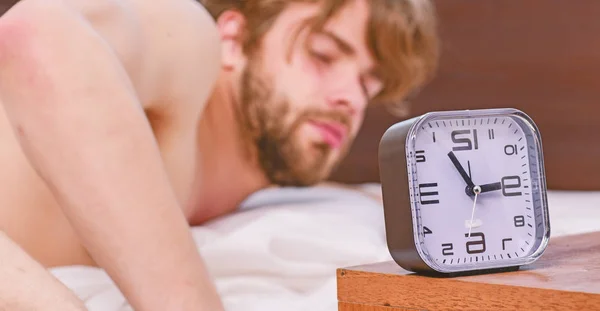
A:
[170,51]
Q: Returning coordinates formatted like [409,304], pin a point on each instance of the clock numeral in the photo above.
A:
[511,150]
[427,231]
[511,185]
[420,155]
[447,249]
[429,193]
[477,246]
[504,241]
[466,142]
[519,221]
[491,134]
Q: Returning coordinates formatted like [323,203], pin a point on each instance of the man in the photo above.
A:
[128,121]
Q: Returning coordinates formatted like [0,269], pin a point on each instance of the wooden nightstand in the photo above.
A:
[567,277]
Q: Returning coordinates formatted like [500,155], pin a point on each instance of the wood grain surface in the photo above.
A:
[566,277]
[346,306]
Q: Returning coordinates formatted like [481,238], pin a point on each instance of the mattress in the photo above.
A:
[280,251]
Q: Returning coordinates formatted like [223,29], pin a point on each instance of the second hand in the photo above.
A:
[477,191]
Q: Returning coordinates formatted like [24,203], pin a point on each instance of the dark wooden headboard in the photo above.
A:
[540,56]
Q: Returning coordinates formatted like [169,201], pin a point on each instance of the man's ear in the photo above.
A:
[231,26]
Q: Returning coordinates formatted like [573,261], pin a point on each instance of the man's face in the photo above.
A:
[303,98]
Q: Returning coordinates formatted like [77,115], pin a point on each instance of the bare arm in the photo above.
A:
[80,124]
[26,285]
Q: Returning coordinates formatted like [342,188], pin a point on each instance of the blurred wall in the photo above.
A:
[540,56]
[6,4]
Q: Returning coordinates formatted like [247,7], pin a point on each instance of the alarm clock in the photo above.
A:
[464,192]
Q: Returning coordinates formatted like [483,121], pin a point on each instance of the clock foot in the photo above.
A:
[468,273]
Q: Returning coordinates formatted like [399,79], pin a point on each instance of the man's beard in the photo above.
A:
[270,125]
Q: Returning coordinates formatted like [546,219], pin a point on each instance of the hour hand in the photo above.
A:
[461,170]
[491,187]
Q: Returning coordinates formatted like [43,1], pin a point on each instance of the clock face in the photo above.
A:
[452,156]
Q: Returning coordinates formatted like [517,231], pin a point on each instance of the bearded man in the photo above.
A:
[125,122]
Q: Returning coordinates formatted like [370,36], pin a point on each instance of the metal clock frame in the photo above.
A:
[400,223]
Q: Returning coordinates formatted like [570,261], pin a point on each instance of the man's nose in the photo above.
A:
[347,95]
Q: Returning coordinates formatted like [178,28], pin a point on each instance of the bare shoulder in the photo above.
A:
[170,48]
[187,42]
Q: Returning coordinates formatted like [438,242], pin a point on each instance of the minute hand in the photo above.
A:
[491,187]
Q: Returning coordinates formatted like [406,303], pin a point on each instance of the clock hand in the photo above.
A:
[476,191]
[462,172]
[491,187]
[469,167]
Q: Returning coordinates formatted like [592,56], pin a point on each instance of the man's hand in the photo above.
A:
[77,118]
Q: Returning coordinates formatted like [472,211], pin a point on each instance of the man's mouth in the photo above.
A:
[333,133]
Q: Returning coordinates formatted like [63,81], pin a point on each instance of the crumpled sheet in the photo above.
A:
[282,249]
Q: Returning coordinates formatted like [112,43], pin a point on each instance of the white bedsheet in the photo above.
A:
[282,250]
